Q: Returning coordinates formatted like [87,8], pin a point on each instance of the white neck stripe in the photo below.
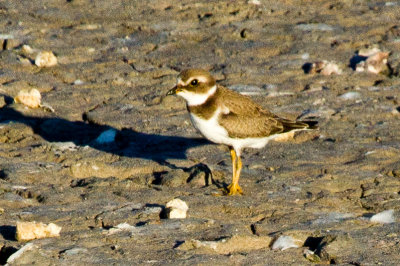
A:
[193,99]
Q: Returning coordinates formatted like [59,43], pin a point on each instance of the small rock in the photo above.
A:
[18,254]
[78,82]
[26,49]
[107,137]
[46,59]
[121,227]
[377,63]
[372,60]
[351,95]
[385,217]
[176,209]
[286,242]
[324,67]
[31,99]
[331,68]
[32,230]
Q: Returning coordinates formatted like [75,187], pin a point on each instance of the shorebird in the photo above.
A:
[227,117]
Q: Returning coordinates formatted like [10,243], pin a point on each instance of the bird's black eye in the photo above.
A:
[194,82]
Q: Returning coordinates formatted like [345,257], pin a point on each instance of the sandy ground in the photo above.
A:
[116,61]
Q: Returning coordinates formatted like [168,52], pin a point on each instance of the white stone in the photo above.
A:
[78,82]
[32,230]
[331,68]
[45,59]
[30,98]
[385,217]
[177,209]
[351,95]
[27,49]
[285,242]
[122,227]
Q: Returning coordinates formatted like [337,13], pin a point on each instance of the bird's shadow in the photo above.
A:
[128,142]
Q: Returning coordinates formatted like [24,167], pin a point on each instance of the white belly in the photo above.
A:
[211,130]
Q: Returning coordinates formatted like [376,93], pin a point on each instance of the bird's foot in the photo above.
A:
[234,189]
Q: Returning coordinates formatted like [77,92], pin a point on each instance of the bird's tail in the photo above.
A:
[289,125]
[311,124]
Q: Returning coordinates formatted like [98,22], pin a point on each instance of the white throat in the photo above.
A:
[193,99]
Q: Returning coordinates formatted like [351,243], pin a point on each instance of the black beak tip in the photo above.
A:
[171,91]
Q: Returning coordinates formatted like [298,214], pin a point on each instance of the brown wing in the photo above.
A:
[245,118]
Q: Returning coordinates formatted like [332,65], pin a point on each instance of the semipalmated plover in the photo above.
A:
[227,117]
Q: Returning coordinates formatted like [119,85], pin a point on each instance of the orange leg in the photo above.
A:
[234,188]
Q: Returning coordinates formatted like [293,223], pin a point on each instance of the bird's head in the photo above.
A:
[195,86]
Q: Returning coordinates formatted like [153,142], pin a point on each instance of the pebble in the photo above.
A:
[26,49]
[30,98]
[285,242]
[121,227]
[372,60]
[324,67]
[31,230]
[331,68]
[351,95]
[385,217]
[78,82]
[45,59]
[177,209]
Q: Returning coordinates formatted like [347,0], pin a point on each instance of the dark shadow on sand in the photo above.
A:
[128,142]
